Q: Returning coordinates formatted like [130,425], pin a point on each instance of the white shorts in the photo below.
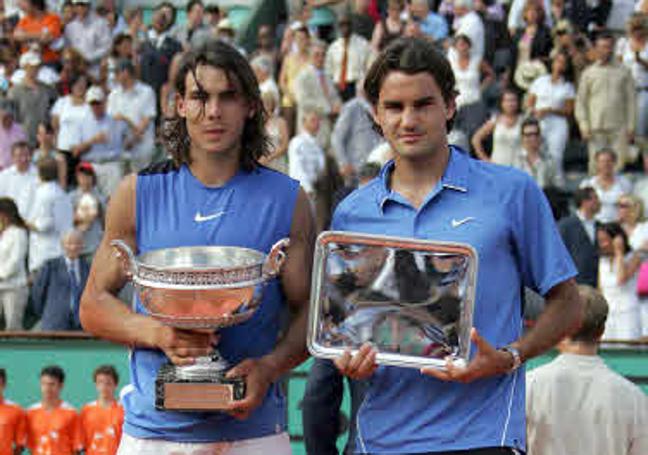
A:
[277,444]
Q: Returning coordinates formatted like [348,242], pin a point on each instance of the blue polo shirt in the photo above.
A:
[503,214]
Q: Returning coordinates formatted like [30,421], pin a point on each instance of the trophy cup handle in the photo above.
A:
[126,255]
[275,259]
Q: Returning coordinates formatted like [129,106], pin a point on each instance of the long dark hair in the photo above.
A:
[254,140]
[9,208]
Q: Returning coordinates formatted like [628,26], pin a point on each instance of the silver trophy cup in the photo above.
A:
[204,287]
[413,299]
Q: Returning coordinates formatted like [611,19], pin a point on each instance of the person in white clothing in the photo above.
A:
[69,111]
[306,160]
[551,100]
[19,181]
[134,102]
[608,185]
[51,216]
[89,34]
[578,405]
[467,22]
[13,275]
[618,271]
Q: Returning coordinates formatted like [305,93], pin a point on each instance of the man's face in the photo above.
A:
[531,139]
[311,123]
[98,108]
[50,388]
[106,386]
[345,28]
[123,77]
[72,246]
[593,204]
[604,49]
[21,158]
[195,16]
[81,10]
[412,114]
[31,71]
[605,164]
[215,111]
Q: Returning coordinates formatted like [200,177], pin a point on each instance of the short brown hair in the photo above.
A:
[47,169]
[107,370]
[595,312]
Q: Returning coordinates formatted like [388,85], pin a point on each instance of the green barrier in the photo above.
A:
[24,355]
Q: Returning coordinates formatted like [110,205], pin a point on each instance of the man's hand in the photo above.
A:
[258,376]
[360,366]
[182,346]
[488,362]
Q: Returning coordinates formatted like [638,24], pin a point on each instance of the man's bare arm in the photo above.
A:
[104,315]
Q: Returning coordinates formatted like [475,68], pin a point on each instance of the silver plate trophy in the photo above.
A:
[413,299]
[204,287]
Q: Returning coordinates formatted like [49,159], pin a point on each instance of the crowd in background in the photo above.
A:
[558,89]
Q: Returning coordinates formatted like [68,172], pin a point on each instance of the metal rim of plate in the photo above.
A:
[384,358]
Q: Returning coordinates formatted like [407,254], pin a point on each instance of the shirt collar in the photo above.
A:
[454,178]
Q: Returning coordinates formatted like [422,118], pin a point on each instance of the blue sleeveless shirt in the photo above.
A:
[253,210]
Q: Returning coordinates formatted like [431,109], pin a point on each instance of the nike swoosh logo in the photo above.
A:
[199,218]
[456,223]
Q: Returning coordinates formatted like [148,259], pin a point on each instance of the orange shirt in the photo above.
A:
[101,428]
[12,427]
[54,432]
[33,25]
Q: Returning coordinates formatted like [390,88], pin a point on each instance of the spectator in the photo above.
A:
[432,24]
[192,27]
[551,100]
[390,27]
[101,420]
[51,216]
[533,42]
[532,158]
[13,274]
[10,132]
[277,131]
[168,91]
[13,429]
[471,75]
[305,156]
[212,16]
[347,59]
[293,63]
[516,19]
[101,140]
[135,25]
[57,288]
[618,269]
[116,22]
[631,217]
[577,393]
[53,424]
[134,103]
[73,64]
[157,51]
[20,180]
[122,49]
[354,136]
[266,48]
[262,67]
[68,114]
[607,184]
[314,89]
[226,32]
[33,99]
[641,184]
[578,232]
[606,104]
[46,149]
[88,206]
[505,129]
[38,28]
[467,22]
[89,34]
[361,20]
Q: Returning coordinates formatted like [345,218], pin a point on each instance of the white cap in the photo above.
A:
[95,93]
[225,24]
[30,59]
[80,2]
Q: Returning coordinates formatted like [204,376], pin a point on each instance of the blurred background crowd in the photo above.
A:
[557,88]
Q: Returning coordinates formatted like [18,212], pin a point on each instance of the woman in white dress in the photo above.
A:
[277,131]
[13,273]
[505,128]
[551,100]
[618,270]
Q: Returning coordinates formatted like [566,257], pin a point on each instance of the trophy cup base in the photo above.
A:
[212,392]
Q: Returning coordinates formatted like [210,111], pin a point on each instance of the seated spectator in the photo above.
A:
[13,273]
[578,405]
[122,49]
[32,98]
[89,34]
[10,132]
[50,217]
[72,64]
[46,137]
[88,209]
[40,28]
[13,435]
[101,140]
[632,220]
[618,267]
[135,103]
[102,420]
[532,158]
[52,424]
[20,180]
[608,185]
[390,27]
[57,289]
[432,24]
[505,128]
